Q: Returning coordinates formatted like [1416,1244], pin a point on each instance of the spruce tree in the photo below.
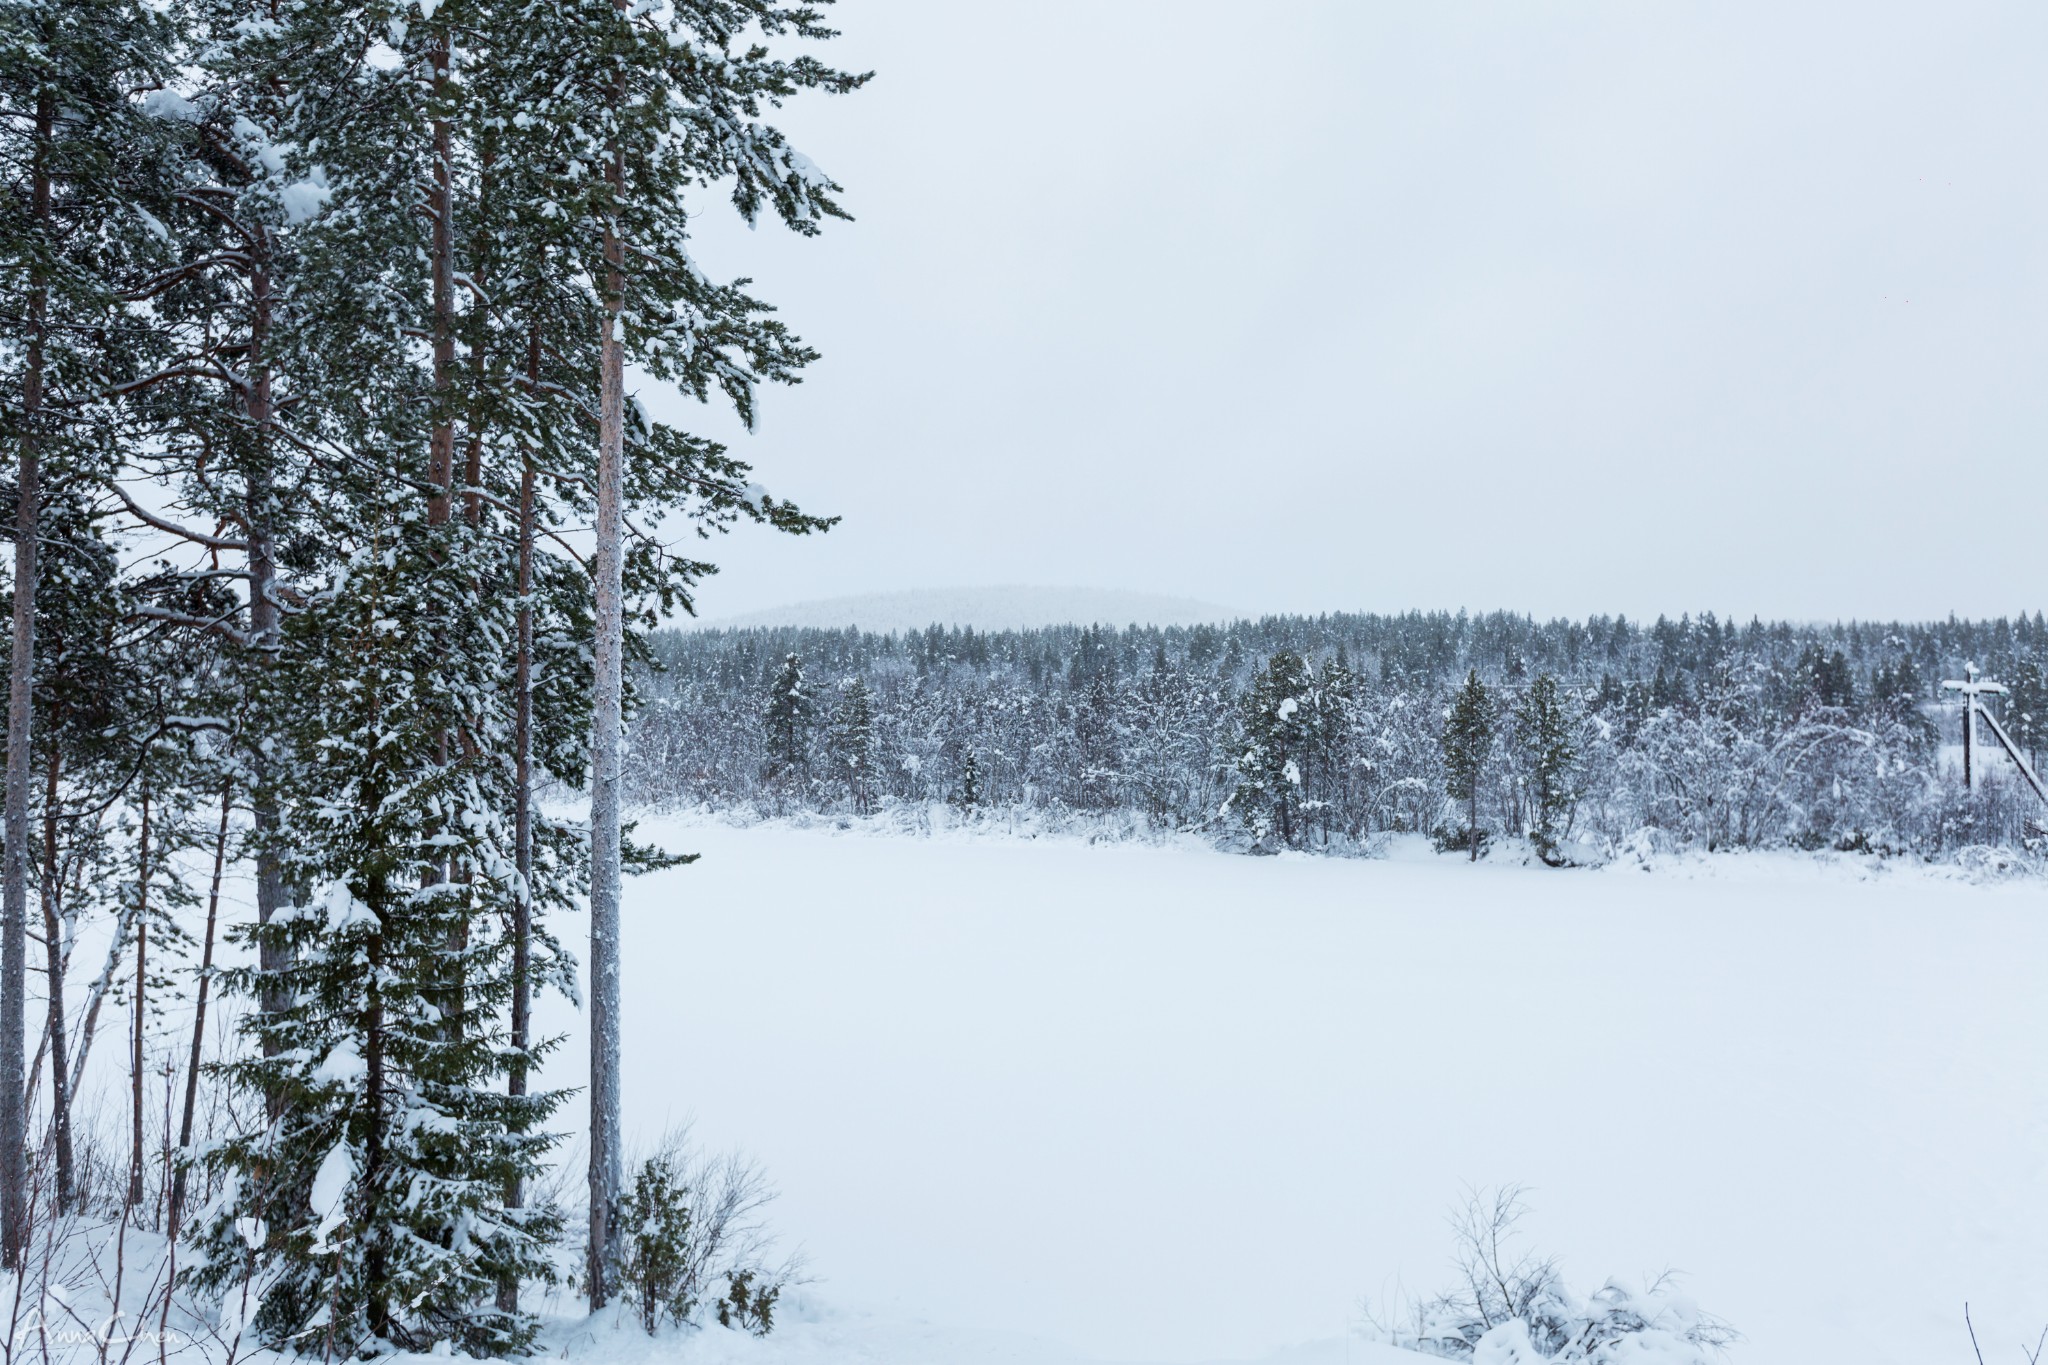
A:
[1279,718]
[969,798]
[853,745]
[1334,760]
[1550,756]
[2026,707]
[787,719]
[1467,745]
[382,1182]
[1098,739]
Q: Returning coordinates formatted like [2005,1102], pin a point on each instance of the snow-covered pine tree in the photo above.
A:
[969,798]
[1278,719]
[1822,680]
[1167,741]
[2026,707]
[497,120]
[1096,775]
[1546,733]
[1333,769]
[854,757]
[380,1189]
[787,719]
[1467,745]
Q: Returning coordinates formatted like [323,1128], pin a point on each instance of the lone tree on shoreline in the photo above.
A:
[1468,738]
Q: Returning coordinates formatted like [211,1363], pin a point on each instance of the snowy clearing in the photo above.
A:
[1044,1101]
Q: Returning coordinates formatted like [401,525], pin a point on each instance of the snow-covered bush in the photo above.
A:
[747,1304]
[655,1262]
[694,1241]
[1514,1308]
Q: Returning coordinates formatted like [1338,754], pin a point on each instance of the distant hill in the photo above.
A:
[1000,608]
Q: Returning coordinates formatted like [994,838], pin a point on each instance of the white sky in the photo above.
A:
[1562,308]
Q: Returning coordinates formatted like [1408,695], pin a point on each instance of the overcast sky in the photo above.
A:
[1562,308]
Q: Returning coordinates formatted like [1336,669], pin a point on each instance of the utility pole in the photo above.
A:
[1974,711]
[1971,690]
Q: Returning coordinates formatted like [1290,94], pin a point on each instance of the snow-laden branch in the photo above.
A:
[217,625]
[141,513]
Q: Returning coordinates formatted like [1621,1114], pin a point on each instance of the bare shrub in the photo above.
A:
[1513,1304]
[695,1239]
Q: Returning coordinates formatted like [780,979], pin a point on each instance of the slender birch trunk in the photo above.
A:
[135,1155]
[98,995]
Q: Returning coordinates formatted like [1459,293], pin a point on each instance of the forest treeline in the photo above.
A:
[1320,732]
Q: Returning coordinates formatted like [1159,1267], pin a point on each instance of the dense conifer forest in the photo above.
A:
[1321,732]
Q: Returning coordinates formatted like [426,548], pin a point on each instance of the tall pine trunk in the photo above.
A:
[441,439]
[1472,818]
[441,268]
[607,1160]
[522,809]
[14,1210]
[53,946]
[266,628]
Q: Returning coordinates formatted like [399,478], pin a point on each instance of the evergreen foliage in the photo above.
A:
[391,1050]
[969,796]
[2027,707]
[1285,727]
[788,718]
[748,1305]
[854,756]
[1546,735]
[1468,744]
[691,1242]
[657,1267]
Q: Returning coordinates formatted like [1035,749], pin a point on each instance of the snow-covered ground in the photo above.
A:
[818,1332]
[1036,1102]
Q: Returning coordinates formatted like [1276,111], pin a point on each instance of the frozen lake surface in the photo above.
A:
[1165,1104]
